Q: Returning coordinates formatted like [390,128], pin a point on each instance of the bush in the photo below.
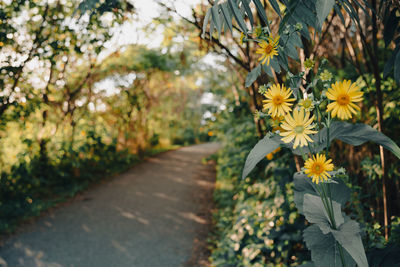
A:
[256,222]
[31,187]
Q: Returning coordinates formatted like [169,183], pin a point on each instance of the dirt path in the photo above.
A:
[156,214]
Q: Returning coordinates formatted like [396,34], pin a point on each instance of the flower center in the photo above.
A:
[307,103]
[317,168]
[268,49]
[298,129]
[278,99]
[343,99]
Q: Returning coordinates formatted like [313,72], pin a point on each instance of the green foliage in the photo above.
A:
[324,242]
[334,237]
[323,8]
[256,220]
[353,134]
[259,151]
[31,187]
[70,114]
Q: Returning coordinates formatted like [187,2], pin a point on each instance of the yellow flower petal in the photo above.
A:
[344,94]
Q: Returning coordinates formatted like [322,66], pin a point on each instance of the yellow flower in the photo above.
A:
[276,123]
[325,76]
[307,104]
[268,49]
[318,167]
[298,127]
[242,37]
[278,100]
[258,31]
[271,155]
[309,63]
[344,94]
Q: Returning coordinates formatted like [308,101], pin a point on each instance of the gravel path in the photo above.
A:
[156,214]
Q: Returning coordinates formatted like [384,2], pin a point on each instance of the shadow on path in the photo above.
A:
[150,216]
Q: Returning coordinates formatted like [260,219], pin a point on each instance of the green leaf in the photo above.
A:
[315,212]
[227,15]
[216,19]
[353,134]
[212,27]
[205,22]
[391,25]
[349,237]
[339,12]
[261,11]
[390,63]
[252,75]
[259,151]
[282,59]
[323,8]
[350,10]
[324,248]
[267,69]
[275,6]
[238,15]
[306,15]
[290,45]
[245,4]
[275,65]
[303,185]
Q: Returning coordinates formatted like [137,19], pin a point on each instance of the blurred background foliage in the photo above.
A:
[71,113]
[73,110]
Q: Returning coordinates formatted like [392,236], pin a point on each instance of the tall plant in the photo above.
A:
[310,115]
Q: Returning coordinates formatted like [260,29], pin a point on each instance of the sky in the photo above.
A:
[146,10]
[131,33]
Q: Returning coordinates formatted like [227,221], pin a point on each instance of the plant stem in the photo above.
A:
[328,124]
[341,254]
[328,205]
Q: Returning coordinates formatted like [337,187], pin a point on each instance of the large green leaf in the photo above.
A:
[283,61]
[275,6]
[391,24]
[216,19]
[205,22]
[275,65]
[323,8]
[324,248]
[259,151]
[353,134]
[246,6]
[252,75]
[390,63]
[315,212]
[227,15]
[347,233]
[267,69]
[261,11]
[305,13]
[349,237]
[238,15]
[303,185]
